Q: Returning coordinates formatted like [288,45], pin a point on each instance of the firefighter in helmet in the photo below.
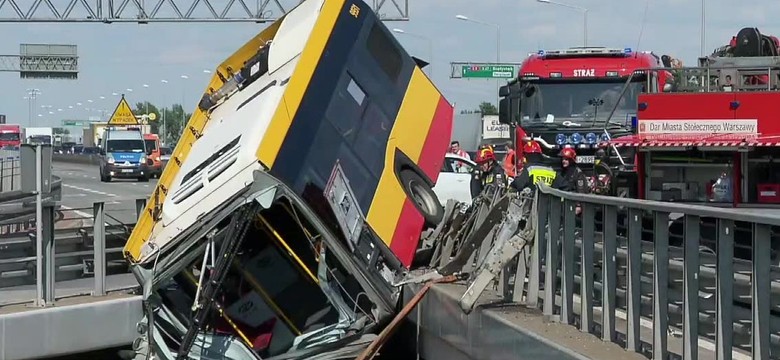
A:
[489,171]
[602,174]
[571,177]
[534,170]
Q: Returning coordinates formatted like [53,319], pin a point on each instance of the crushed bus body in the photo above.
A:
[294,202]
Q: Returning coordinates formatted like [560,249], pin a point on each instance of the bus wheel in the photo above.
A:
[422,196]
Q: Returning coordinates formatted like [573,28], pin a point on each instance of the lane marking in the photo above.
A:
[89,190]
[77,212]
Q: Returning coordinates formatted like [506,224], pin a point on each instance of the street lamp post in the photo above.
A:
[183,123]
[430,47]
[578,8]
[498,45]
[164,129]
[32,94]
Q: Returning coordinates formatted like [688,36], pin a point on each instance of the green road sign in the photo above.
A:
[488,71]
[74,123]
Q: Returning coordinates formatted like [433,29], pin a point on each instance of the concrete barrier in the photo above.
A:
[76,158]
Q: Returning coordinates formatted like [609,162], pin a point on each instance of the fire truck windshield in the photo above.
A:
[579,103]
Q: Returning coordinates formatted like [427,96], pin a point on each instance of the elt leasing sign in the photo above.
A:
[699,126]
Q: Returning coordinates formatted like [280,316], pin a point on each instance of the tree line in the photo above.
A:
[174,119]
[485,108]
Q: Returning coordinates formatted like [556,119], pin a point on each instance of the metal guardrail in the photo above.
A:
[608,280]
[70,253]
[91,159]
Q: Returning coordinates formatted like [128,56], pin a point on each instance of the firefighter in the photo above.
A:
[571,177]
[488,172]
[602,174]
[509,160]
[534,170]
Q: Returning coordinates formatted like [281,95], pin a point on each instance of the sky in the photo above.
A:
[116,57]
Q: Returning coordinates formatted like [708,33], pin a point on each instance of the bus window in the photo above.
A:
[372,139]
[346,107]
[385,52]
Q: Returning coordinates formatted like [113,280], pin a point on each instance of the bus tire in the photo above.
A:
[422,196]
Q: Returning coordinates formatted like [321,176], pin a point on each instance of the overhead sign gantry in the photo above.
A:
[43,61]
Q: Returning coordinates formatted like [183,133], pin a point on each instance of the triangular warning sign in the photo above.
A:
[123,115]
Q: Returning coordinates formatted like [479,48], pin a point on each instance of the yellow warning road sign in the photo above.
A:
[123,115]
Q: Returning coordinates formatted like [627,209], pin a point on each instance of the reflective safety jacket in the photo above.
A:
[533,174]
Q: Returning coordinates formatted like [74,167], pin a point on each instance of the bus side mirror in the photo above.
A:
[503,91]
[504,112]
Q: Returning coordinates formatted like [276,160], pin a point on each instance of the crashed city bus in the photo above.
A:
[294,202]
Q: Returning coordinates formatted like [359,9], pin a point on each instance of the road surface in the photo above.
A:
[81,187]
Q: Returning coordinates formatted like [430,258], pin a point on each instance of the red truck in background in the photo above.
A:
[580,97]
[10,136]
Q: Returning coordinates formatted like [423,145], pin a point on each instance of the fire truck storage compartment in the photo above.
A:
[687,176]
[763,176]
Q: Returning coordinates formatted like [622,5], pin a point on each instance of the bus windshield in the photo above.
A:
[580,103]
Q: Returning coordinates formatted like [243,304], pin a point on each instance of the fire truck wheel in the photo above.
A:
[422,196]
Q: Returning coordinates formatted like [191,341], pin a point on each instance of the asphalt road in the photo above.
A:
[81,187]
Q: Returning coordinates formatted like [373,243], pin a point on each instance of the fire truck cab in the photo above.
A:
[580,97]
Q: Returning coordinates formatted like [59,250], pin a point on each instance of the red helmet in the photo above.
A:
[532,147]
[569,154]
[485,154]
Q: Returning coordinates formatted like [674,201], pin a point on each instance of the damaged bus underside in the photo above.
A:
[260,278]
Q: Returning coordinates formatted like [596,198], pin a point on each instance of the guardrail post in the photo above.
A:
[542,206]
[691,288]
[609,275]
[140,205]
[660,285]
[725,289]
[760,291]
[567,262]
[99,238]
[586,264]
[48,256]
[552,255]
[634,286]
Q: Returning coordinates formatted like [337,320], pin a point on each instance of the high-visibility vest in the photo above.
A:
[509,163]
[543,174]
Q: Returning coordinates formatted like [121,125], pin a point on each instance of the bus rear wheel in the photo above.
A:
[422,196]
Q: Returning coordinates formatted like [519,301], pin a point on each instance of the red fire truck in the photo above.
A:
[10,136]
[580,97]
[714,139]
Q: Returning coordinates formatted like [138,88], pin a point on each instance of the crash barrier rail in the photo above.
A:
[18,208]
[647,296]
[70,252]
[755,77]
[91,159]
